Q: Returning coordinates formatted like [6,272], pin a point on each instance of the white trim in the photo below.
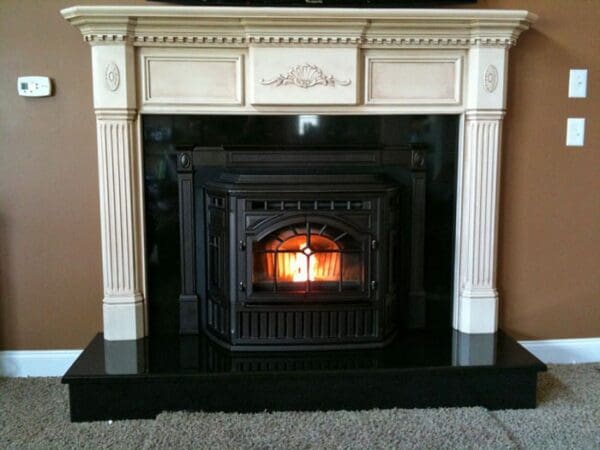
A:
[565,351]
[36,363]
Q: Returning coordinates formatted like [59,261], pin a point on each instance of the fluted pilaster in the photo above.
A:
[123,299]
[477,243]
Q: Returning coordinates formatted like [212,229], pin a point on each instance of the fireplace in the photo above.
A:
[278,245]
[160,60]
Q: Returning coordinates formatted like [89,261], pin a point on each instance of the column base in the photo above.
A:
[124,318]
[477,312]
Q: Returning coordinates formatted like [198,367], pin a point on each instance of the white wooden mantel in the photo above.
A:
[198,60]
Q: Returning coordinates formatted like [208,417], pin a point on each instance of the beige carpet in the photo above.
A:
[34,414]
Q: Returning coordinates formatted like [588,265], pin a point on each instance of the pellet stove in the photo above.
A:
[283,250]
[307,260]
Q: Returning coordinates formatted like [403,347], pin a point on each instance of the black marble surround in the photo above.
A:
[164,135]
[443,368]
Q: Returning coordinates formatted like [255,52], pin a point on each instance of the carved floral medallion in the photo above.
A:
[490,78]
[305,76]
[112,76]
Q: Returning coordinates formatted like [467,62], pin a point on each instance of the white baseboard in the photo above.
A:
[36,363]
[54,363]
[565,351]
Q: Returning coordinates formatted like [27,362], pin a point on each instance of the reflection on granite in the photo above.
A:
[198,355]
[473,349]
[125,357]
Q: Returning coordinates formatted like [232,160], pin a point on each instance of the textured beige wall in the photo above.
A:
[549,263]
[50,271]
[50,268]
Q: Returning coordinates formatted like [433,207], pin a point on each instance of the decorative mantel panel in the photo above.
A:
[150,59]
[301,76]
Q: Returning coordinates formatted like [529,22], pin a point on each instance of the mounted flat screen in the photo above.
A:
[325,3]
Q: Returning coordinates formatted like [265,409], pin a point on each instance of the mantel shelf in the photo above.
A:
[151,25]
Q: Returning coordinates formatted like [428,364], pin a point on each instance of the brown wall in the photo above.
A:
[50,272]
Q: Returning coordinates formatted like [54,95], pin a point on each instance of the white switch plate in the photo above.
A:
[34,86]
[578,83]
[575,131]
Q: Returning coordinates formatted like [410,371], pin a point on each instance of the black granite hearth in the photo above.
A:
[139,379]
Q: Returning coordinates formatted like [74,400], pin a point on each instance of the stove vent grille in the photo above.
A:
[308,205]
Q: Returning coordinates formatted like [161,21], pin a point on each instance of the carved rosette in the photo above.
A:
[305,76]
[112,77]
[185,161]
[417,159]
[490,78]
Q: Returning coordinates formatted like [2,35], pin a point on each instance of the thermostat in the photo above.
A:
[34,86]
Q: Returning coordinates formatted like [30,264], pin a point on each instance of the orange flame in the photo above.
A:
[300,262]
[306,265]
[297,262]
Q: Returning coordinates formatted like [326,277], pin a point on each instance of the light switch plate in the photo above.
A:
[578,83]
[34,86]
[575,131]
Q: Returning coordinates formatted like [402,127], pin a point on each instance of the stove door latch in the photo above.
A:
[374,244]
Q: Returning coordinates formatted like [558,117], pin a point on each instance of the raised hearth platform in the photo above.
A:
[140,379]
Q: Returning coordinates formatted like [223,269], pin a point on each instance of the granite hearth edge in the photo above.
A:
[142,378]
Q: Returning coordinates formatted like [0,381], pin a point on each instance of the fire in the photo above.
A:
[301,259]
[300,262]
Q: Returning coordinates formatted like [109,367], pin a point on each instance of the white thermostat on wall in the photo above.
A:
[34,86]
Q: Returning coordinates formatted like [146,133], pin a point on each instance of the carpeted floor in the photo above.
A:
[34,414]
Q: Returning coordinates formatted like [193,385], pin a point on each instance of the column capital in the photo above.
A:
[485,114]
[113,68]
[487,73]
[128,114]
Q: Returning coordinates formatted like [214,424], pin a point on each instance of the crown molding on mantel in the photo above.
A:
[366,28]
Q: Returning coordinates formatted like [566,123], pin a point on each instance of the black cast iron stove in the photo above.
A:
[301,260]
[302,254]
